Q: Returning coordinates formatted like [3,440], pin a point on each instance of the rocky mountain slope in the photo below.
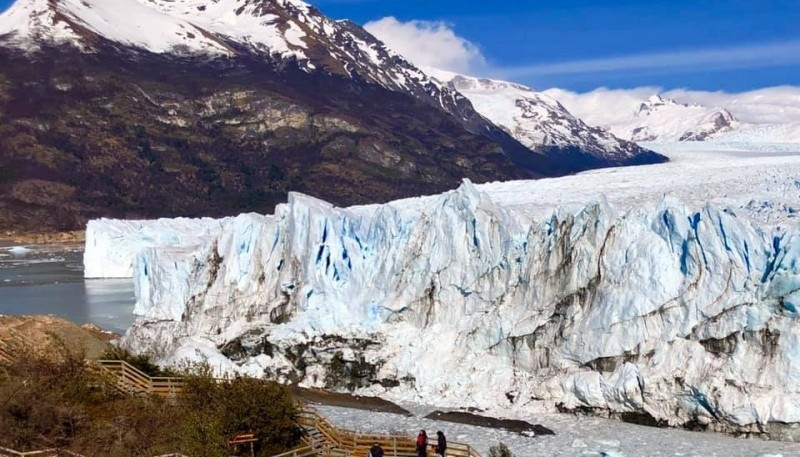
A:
[108,134]
[190,107]
[537,120]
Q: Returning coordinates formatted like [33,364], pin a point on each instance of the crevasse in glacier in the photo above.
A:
[666,314]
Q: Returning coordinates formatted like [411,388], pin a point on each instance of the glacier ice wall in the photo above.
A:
[668,315]
[112,244]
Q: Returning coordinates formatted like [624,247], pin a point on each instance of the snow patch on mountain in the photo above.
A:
[677,308]
[665,120]
[533,118]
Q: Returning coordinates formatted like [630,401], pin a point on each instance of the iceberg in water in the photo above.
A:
[667,313]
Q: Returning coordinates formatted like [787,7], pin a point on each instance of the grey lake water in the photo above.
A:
[48,279]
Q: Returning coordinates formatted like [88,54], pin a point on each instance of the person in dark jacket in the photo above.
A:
[375,451]
[441,443]
[422,444]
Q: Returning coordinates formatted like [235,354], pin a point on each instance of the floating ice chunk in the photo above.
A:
[19,250]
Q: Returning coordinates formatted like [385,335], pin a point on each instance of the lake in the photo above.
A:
[48,279]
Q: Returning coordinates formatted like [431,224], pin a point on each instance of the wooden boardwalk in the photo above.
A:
[330,440]
[321,438]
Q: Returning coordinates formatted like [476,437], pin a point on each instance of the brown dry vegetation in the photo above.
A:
[27,237]
[40,334]
[60,401]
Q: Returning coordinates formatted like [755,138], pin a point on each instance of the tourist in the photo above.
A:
[441,443]
[375,451]
[422,444]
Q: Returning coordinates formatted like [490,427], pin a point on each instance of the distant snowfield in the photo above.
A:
[748,176]
[768,114]
[575,436]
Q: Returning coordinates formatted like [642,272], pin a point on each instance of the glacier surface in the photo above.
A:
[596,292]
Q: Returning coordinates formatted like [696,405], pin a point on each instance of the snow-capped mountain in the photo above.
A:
[765,116]
[146,108]
[535,119]
[169,108]
[665,120]
[275,29]
[655,119]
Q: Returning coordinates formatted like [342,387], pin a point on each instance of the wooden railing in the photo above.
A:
[5,452]
[304,451]
[356,444]
[133,381]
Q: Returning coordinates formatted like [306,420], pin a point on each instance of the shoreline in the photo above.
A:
[69,237]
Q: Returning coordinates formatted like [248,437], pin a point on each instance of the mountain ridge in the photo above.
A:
[225,108]
[535,119]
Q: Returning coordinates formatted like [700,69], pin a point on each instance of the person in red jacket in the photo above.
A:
[422,444]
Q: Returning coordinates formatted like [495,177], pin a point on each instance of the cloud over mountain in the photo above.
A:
[429,44]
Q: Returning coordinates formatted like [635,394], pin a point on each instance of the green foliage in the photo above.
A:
[140,362]
[215,411]
[500,450]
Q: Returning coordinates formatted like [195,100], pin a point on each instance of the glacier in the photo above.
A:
[676,309]
[112,244]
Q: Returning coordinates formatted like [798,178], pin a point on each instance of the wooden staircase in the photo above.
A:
[321,437]
[132,381]
[5,355]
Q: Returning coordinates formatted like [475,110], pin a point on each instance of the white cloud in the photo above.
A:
[772,105]
[603,106]
[742,56]
[763,106]
[429,44]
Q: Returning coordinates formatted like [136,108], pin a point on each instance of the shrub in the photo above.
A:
[131,426]
[44,399]
[213,412]
[140,362]
[61,401]
[500,450]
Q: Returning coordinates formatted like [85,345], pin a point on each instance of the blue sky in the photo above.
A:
[731,45]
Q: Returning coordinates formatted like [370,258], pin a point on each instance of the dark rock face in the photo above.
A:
[512,425]
[130,134]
